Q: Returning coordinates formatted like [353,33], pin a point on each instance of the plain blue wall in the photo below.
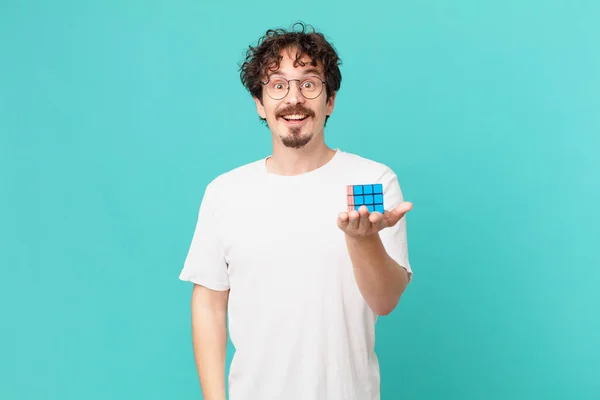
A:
[114,115]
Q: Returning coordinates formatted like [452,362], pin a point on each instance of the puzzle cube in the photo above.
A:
[370,196]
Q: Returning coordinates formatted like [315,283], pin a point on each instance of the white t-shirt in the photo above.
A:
[299,325]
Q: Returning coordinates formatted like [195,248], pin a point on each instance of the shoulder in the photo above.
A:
[228,181]
[366,171]
[366,166]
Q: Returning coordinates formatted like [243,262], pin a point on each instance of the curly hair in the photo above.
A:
[266,56]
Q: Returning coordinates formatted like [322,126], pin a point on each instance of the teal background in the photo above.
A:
[114,115]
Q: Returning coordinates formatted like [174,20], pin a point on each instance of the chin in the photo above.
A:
[296,140]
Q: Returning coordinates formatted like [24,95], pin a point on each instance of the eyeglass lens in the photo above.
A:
[310,87]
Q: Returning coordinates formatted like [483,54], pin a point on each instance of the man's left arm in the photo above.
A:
[377,247]
[380,279]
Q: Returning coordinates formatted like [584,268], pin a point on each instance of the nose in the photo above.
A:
[294,96]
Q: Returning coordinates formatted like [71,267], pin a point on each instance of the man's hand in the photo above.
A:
[361,223]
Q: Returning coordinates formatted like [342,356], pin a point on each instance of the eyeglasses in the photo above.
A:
[310,87]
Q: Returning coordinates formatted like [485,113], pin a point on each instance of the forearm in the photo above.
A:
[209,336]
[380,279]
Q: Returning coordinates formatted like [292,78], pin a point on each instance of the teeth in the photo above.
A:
[294,116]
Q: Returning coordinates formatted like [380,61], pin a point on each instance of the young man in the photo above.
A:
[301,277]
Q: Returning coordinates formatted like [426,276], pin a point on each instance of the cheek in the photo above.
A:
[323,111]
[270,110]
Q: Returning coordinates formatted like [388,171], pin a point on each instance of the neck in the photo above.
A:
[288,161]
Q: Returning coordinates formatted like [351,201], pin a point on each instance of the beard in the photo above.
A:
[295,139]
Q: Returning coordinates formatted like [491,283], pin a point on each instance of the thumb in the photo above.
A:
[398,212]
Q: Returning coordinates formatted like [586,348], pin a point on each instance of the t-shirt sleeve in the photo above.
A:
[205,262]
[394,238]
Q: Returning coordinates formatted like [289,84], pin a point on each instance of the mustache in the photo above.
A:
[297,109]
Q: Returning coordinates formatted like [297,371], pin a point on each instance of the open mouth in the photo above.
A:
[295,118]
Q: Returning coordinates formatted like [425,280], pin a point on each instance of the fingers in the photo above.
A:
[363,221]
[350,221]
[354,220]
[360,222]
[343,220]
[376,218]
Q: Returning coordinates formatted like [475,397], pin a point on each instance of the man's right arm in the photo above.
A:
[209,336]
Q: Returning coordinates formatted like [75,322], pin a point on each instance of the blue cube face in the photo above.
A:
[370,196]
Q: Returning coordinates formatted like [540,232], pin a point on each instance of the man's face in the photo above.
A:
[294,118]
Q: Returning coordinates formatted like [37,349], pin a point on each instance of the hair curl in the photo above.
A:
[266,56]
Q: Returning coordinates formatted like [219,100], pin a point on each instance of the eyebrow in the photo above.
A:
[309,71]
[312,71]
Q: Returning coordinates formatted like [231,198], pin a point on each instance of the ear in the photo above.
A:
[260,108]
[331,103]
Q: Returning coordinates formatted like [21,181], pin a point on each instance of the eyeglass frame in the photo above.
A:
[299,89]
